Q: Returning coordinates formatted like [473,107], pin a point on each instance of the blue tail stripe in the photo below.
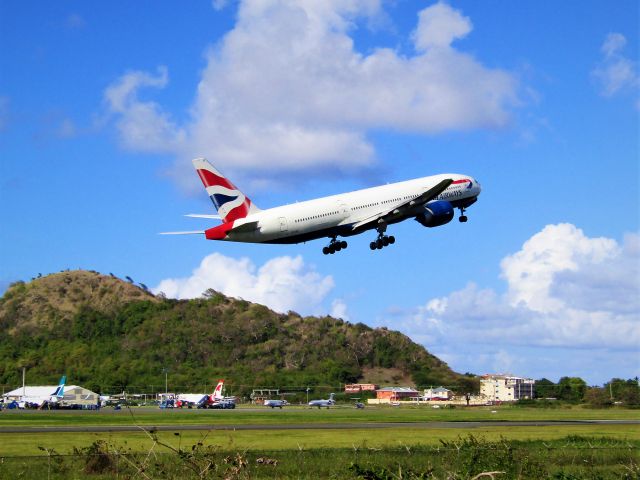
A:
[219,199]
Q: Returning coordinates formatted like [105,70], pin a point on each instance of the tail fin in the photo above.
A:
[59,392]
[217,393]
[230,202]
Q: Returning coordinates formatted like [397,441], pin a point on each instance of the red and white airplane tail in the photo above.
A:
[217,392]
[230,202]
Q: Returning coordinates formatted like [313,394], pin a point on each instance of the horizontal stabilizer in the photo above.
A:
[192,232]
[203,215]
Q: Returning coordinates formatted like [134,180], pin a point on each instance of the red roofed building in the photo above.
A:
[394,394]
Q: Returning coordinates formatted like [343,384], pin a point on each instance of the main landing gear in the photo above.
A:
[334,246]
[463,217]
[382,241]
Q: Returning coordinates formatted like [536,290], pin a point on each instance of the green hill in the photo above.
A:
[109,335]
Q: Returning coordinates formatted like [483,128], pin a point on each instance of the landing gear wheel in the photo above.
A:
[382,240]
[334,246]
[463,217]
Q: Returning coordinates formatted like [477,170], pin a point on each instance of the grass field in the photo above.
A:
[27,444]
[563,452]
[243,416]
[567,458]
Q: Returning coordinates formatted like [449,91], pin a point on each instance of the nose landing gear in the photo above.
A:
[334,246]
[463,217]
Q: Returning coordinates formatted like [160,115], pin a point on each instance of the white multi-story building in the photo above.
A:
[439,393]
[506,388]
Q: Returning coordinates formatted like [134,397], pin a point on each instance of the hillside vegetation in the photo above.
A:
[109,335]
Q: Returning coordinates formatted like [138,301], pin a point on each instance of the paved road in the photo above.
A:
[309,426]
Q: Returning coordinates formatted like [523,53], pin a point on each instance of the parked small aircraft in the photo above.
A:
[429,200]
[276,403]
[323,403]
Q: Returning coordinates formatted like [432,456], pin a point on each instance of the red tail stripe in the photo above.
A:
[241,211]
[218,232]
[210,179]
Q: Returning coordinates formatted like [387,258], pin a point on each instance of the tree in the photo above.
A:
[545,388]
[571,389]
[625,391]
[597,397]
[209,293]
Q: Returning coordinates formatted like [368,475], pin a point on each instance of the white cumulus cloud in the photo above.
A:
[142,125]
[565,292]
[339,309]
[282,283]
[439,25]
[615,72]
[287,91]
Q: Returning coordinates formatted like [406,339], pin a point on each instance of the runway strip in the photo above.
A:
[307,426]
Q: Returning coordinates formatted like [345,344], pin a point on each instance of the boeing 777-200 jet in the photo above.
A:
[429,200]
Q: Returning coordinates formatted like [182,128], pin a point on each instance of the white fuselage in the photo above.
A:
[338,214]
[275,403]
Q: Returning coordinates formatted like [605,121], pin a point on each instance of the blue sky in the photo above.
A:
[102,107]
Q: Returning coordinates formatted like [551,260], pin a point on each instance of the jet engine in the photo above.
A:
[436,213]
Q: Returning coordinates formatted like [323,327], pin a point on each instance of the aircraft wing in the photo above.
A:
[400,210]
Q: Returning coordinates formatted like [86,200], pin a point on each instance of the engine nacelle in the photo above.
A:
[436,213]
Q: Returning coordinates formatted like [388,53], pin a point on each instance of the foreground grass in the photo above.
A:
[29,444]
[567,458]
[290,415]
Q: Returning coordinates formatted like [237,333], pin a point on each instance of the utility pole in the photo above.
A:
[166,379]
[611,389]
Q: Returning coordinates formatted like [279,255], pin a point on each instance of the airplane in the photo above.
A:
[41,400]
[204,400]
[275,403]
[429,200]
[217,400]
[323,403]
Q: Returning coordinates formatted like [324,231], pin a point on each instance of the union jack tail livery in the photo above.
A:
[230,202]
